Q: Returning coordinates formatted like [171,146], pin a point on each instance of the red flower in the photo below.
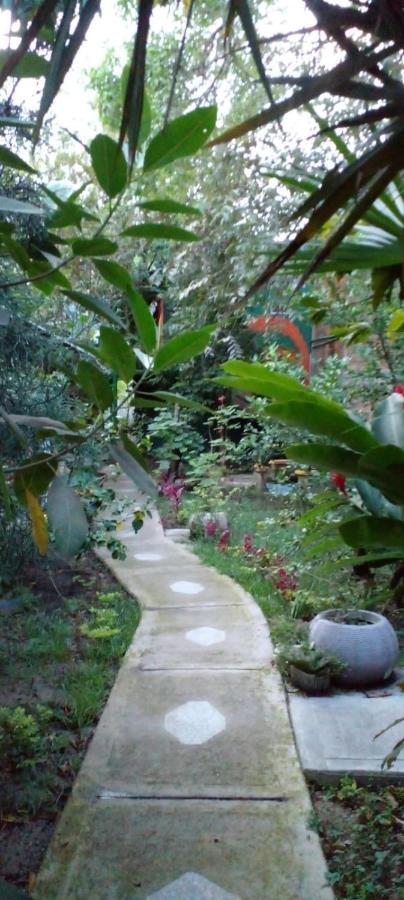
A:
[399,389]
[248,544]
[224,539]
[339,481]
[210,528]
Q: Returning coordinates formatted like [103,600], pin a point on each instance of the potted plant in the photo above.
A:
[311,669]
[364,640]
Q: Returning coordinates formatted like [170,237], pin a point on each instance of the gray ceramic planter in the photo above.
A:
[370,650]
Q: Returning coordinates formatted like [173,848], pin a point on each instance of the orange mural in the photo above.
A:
[281,325]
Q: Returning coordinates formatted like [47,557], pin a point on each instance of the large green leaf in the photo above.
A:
[115,351]
[98,246]
[388,421]
[257,379]
[160,231]
[9,205]
[330,423]
[133,121]
[370,531]
[34,475]
[182,348]
[114,273]
[145,324]
[325,456]
[66,517]
[12,161]
[30,66]
[128,460]
[181,137]
[109,164]
[166,205]
[95,305]
[134,451]
[95,384]
[376,503]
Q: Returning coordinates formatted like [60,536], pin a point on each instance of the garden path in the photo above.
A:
[191,788]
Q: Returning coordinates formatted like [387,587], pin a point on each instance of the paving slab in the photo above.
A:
[335,734]
[168,850]
[216,637]
[184,734]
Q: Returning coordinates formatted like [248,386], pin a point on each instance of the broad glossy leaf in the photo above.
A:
[109,164]
[38,522]
[178,400]
[370,531]
[330,423]
[182,348]
[115,351]
[376,503]
[9,205]
[160,231]
[388,421]
[95,384]
[131,447]
[325,456]
[99,246]
[114,273]
[166,205]
[34,475]
[130,465]
[66,518]
[145,324]
[396,323]
[132,121]
[181,137]
[40,422]
[12,161]
[95,305]
[30,66]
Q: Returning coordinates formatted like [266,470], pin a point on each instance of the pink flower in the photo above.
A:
[248,544]
[210,528]
[224,539]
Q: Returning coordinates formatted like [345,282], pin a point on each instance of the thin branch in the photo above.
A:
[177,64]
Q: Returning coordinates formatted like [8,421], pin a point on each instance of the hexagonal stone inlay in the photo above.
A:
[187,587]
[192,886]
[206,636]
[194,722]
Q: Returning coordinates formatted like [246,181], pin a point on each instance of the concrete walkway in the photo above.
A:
[191,788]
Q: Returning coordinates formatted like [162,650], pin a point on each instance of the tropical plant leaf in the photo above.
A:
[40,422]
[160,231]
[31,65]
[145,324]
[95,305]
[166,205]
[12,161]
[370,531]
[66,518]
[396,324]
[317,419]
[95,384]
[34,475]
[38,522]
[9,205]
[114,273]
[180,138]
[182,348]
[98,246]
[129,462]
[242,9]
[325,456]
[109,164]
[115,351]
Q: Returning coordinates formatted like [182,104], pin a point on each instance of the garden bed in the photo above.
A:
[60,650]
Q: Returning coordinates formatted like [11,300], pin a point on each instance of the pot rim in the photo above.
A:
[369,617]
